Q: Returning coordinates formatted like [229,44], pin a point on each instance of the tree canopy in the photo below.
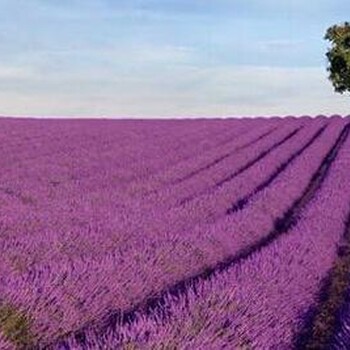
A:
[339,56]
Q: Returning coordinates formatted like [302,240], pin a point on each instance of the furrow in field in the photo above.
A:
[172,220]
[326,323]
[211,207]
[143,182]
[71,172]
[245,167]
[340,339]
[122,160]
[77,155]
[257,159]
[221,158]
[60,244]
[242,202]
[204,182]
[154,161]
[259,301]
[182,148]
[239,242]
[165,179]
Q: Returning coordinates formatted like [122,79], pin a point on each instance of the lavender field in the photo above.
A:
[178,234]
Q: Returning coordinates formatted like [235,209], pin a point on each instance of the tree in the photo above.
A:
[339,56]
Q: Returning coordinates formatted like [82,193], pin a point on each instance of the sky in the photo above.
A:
[167,58]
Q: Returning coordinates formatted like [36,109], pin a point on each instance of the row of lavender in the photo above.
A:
[80,167]
[258,303]
[123,221]
[64,273]
[47,164]
[86,192]
[48,280]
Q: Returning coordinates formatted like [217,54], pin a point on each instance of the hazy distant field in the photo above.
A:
[207,234]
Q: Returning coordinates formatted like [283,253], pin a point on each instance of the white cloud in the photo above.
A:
[109,63]
[181,91]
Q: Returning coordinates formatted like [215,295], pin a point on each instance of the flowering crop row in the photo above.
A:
[257,303]
[151,258]
[103,217]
